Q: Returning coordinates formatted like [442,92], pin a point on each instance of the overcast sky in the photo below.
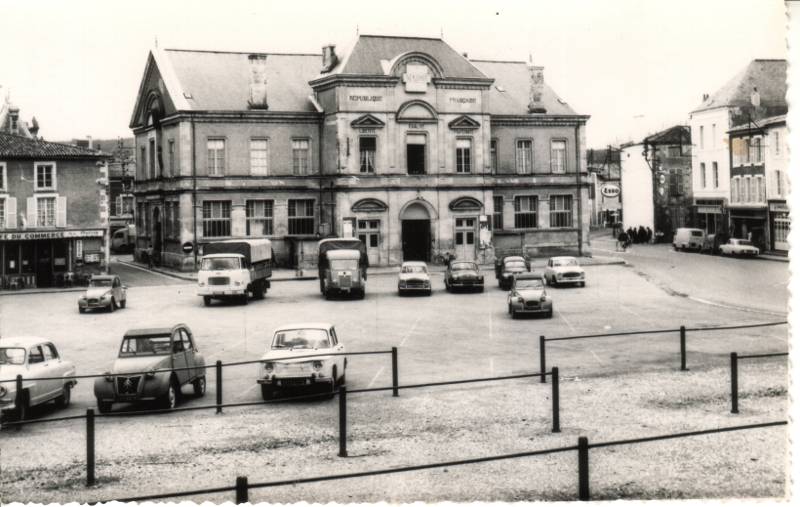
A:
[635,66]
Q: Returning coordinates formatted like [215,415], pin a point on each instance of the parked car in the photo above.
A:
[105,291]
[686,238]
[508,267]
[152,364]
[281,371]
[414,277]
[529,295]
[463,275]
[33,358]
[736,246]
[564,270]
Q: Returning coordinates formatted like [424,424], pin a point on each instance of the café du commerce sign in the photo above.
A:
[610,190]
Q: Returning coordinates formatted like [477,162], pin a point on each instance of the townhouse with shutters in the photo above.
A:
[401,141]
[53,218]
[758,91]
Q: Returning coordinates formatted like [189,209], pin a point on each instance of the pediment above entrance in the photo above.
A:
[465,204]
[417,111]
[367,121]
[464,122]
[369,204]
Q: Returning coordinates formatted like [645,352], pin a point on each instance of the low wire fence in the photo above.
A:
[681,336]
[243,486]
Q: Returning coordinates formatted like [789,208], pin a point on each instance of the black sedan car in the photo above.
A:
[463,275]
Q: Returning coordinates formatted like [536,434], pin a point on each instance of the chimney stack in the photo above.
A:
[258,82]
[329,58]
[705,97]
[34,128]
[535,104]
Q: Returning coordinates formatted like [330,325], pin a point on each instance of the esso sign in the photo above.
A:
[609,190]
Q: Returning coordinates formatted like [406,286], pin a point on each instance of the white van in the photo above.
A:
[688,239]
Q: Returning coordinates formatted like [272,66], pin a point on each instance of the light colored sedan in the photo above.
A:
[414,277]
[33,358]
[299,356]
[105,291]
[529,295]
[564,270]
[736,246]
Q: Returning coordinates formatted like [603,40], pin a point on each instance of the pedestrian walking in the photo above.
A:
[150,256]
[622,241]
[649,235]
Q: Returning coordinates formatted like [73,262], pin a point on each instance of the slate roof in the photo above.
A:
[769,76]
[370,50]
[759,122]
[14,146]
[514,78]
[679,134]
[220,81]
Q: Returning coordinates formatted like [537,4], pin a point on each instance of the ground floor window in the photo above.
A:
[497,216]
[216,219]
[259,218]
[560,211]
[301,216]
[525,212]
[368,231]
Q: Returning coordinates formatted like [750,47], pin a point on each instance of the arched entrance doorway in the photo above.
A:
[156,236]
[416,232]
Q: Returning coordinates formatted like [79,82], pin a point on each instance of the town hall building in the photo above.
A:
[402,142]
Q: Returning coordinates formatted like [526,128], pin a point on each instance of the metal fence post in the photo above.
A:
[219,387]
[583,469]
[395,383]
[542,362]
[90,447]
[241,490]
[734,383]
[556,402]
[19,400]
[343,422]
[683,348]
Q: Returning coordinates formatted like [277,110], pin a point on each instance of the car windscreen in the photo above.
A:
[145,346]
[220,263]
[697,233]
[301,339]
[530,284]
[464,266]
[565,262]
[12,355]
[344,264]
[414,269]
[515,265]
[100,283]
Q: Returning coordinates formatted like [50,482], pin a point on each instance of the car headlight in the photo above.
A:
[202,284]
[402,284]
[317,365]
[480,278]
[268,367]
[543,298]
[237,283]
[107,295]
[520,300]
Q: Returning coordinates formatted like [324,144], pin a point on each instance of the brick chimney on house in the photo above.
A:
[13,115]
[34,128]
[258,82]
[535,104]
[329,58]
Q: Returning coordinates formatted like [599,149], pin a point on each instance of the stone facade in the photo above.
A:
[404,143]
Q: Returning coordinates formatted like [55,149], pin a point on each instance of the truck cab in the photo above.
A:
[343,274]
[235,269]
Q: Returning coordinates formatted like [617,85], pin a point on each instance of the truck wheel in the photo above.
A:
[206,300]
[327,295]
[362,293]
[243,299]
[81,310]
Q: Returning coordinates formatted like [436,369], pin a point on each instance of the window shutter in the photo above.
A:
[11,213]
[61,211]
[31,212]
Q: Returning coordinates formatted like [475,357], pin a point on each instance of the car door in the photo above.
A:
[338,348]
[188,350]
[37,369]
[58,367]
[179,356]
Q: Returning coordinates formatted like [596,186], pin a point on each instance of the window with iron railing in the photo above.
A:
[560,211]
[216,219]
[301,217]
[259,217]
[525,216]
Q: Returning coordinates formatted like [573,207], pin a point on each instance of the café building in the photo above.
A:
[400,141]
[53,213]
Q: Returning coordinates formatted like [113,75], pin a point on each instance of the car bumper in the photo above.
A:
[294,381]
[221,292]
[466,283]
[570,279]
[87,305]
[414,288]
[545,307]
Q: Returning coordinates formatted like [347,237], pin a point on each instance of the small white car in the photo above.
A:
[33,358]
[311,344]
[736,246]
[564,270]
[414,277]
[105,291]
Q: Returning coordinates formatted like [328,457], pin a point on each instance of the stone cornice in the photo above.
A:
[353,80]
[544,120]
[245,116]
